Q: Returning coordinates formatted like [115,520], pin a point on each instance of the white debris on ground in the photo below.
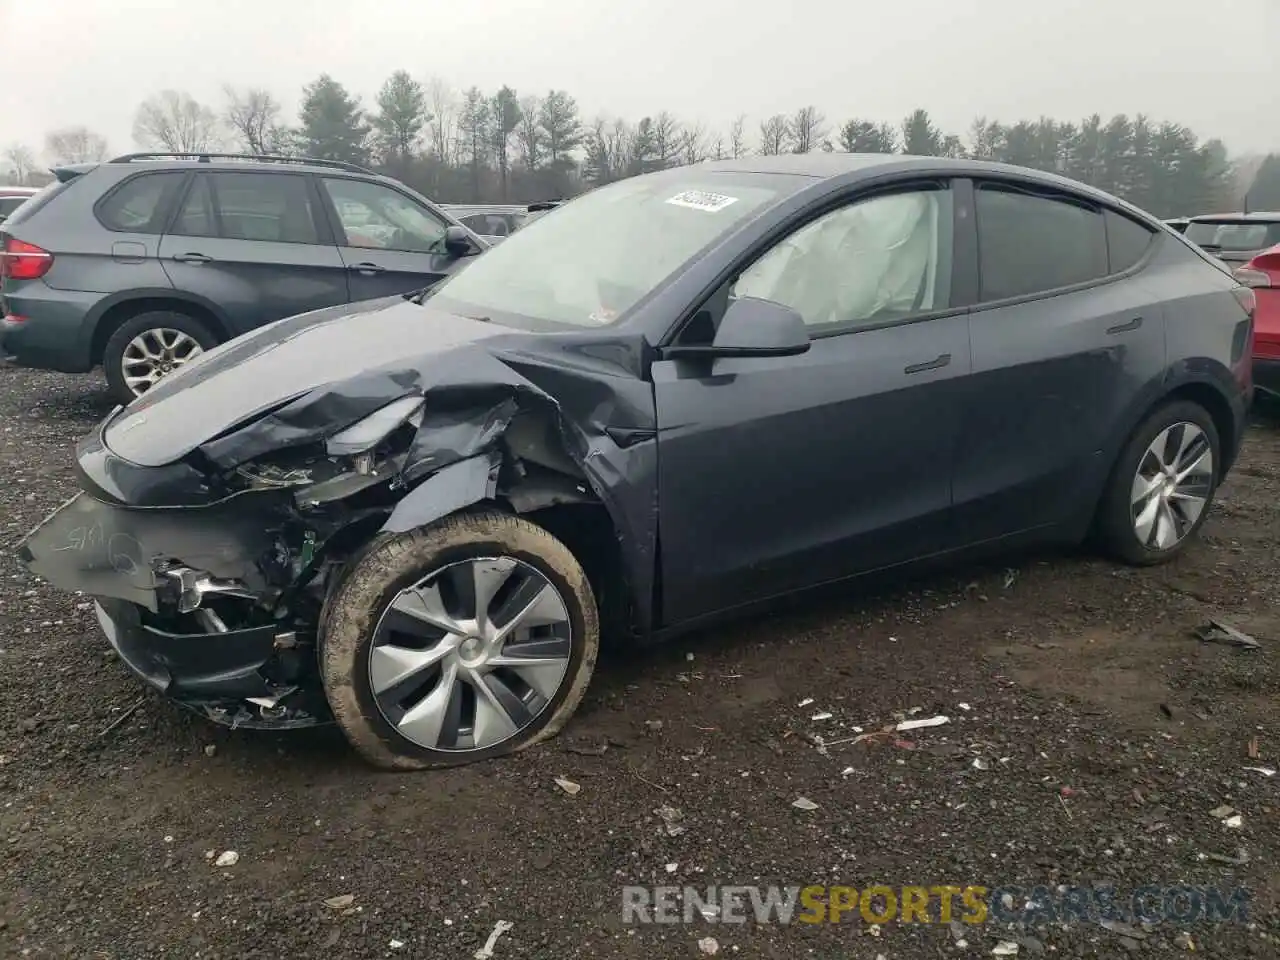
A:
[670,816]
[228,858]
[568,786]
[804,803]
[709,946]
[499,928]
[922,724]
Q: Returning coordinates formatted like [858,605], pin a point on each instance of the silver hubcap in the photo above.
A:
[153,353]
[1172,486]
[471,654]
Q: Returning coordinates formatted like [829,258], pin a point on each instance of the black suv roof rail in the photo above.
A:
[205,157]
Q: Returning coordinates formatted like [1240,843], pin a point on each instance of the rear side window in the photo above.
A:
[140,204]
[1030,244]
[196,218]
[271,207]
[1237,236]
[10,204]
[1127,241]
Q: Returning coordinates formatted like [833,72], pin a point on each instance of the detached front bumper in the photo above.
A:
[184,597]
[202,666]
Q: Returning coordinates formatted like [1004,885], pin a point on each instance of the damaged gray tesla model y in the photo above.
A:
[673,397]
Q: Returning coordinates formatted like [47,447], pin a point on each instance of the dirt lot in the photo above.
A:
[1104,735]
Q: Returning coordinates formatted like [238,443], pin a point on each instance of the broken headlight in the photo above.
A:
[354,458]
[364,435]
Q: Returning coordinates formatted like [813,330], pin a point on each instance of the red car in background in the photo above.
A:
[1262,274]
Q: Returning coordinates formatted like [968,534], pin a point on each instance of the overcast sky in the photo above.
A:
[1210,64]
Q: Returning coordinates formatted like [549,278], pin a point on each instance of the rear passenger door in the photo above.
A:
[390,243]
[256,245]
[1064,335]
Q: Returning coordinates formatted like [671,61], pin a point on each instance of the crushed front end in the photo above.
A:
[210,584]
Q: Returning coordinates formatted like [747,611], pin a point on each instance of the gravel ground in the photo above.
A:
[1096,737]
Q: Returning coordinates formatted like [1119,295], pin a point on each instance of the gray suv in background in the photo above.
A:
[141,263]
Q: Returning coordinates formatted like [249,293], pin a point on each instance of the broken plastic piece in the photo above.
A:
[920,724]
[499,928]
[568,786]
[1215,631]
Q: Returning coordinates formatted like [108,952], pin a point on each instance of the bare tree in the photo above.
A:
[254,118]
[738,137]
[21,161]
[609,146]
[774,134]
[75,145]
[175,121]
[667,133]
[693,143]
[442,131]
[530,137]
[807,129]
[716,150]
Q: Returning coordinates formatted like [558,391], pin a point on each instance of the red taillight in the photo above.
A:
[24,261]
[1252,277]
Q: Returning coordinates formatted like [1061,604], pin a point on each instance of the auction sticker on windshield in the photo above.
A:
[701,200]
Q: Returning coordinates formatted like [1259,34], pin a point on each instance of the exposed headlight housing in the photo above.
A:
[363,435]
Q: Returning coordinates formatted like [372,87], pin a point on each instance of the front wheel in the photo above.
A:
[461,641]
[1162,485]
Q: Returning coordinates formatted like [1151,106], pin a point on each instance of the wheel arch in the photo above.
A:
[115,310]
[1212,400]
[562,503]
[1203,390]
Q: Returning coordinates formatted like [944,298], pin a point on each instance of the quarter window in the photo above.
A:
[1127,241]
[1030,244]
[376,216]
[140,205]
[876,260]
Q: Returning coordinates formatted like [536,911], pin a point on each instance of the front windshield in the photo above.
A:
[593,259]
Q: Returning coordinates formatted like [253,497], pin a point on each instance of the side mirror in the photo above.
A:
[753,328]
[459,243]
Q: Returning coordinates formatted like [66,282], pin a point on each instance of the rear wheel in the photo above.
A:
[1162,485]
[464,640]
[146,348]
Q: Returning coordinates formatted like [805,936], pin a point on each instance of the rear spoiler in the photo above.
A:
[70,171]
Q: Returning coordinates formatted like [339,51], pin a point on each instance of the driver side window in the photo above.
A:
[884,258]
[373,215]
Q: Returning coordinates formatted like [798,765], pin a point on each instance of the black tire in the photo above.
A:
[1115,529]
[113,352]
[393,562]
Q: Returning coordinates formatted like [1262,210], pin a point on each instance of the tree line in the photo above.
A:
[477,146]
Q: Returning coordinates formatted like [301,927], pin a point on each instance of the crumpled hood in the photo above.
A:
[275,364]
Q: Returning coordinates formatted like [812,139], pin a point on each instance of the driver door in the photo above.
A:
[781,473]
[389,242]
